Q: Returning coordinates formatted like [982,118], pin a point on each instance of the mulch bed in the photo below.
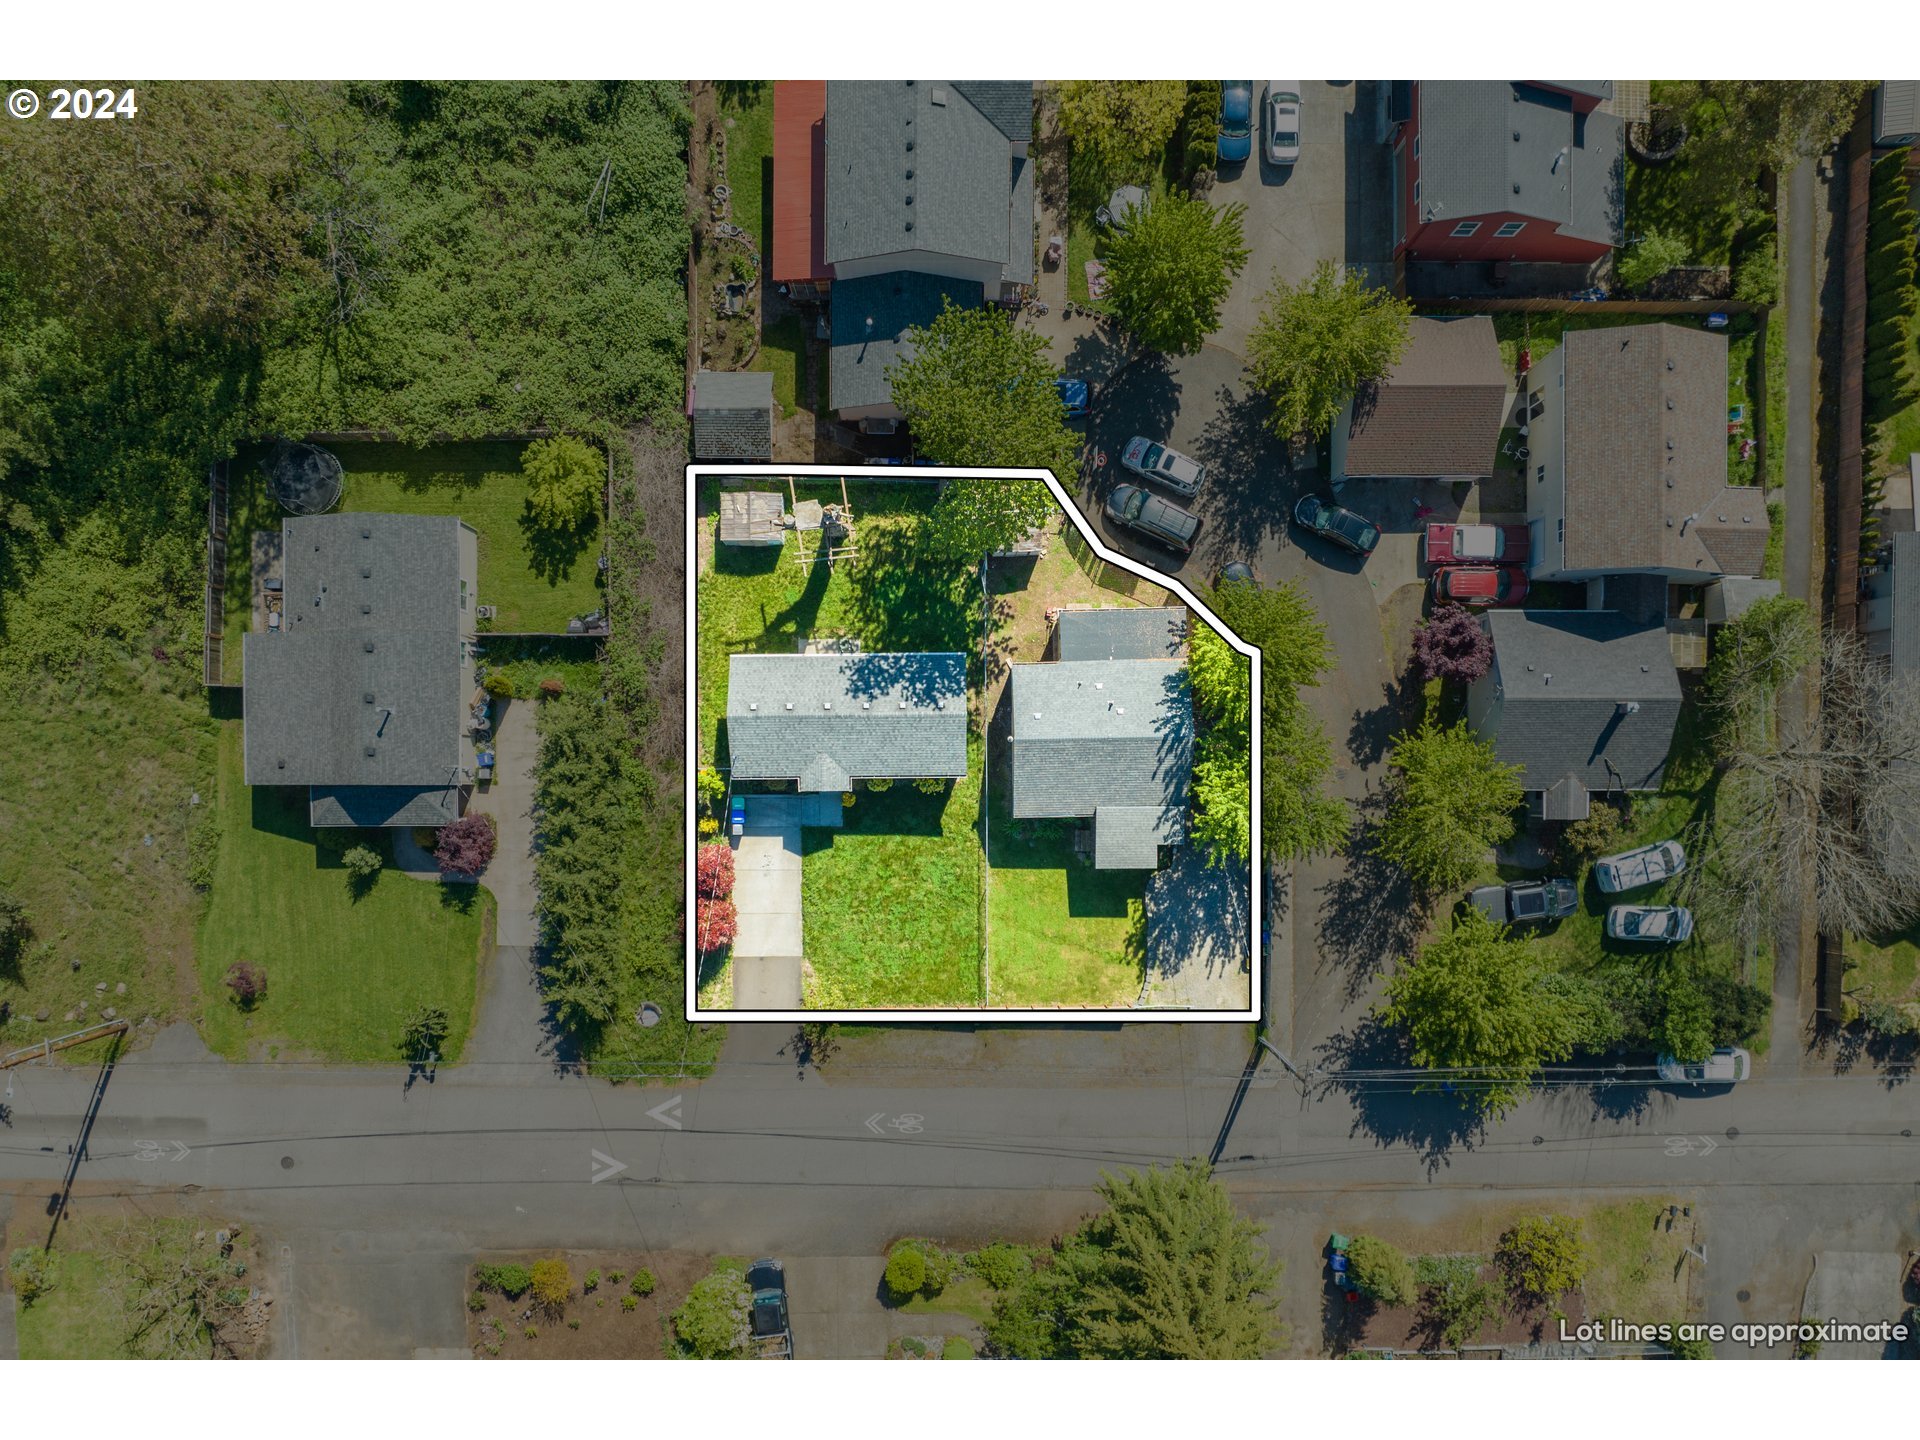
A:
[606,1332]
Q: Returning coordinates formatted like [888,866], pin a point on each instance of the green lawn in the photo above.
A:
[1884,967]
[98,830]
[746,108]
[570,659]
[1636,1273]
[891,902]
[1667,199]
[78,1318]
[343,971]
[896,597]
[1060,932]
[783,353]
[967,1295]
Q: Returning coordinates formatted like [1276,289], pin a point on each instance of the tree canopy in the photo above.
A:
[1170,265]
[1449,802]
[1317,342]
[1223,767]
[1738,128]
[564,479]
[1121,126]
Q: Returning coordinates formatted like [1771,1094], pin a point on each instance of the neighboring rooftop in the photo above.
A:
[1493,147]
[1560,690]
[1438,412]
[799,182]
[733,415]
[827,720]
[1896,111]
[893,302]
[1121,632]
[1646,456]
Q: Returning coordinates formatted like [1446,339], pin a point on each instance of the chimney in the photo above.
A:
[1626,707]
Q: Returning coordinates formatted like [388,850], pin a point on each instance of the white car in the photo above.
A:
[1650,924]
[1151,460]
[1631,869]
[1723,1067]
[1280,122]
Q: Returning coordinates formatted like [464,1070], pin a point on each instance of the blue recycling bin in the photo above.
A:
[737,816]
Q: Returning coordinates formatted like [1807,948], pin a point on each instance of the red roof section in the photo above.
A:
[799,180]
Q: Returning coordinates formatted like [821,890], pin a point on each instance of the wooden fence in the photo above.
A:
[1109,576]
[1554,306]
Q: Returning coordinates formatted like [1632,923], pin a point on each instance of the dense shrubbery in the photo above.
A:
[1452,644]
[906,1272]
[715,923]
[465,847]
[1893,296]
[512,1281]
[713,870]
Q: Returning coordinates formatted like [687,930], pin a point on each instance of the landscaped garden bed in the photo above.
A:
[615,1305]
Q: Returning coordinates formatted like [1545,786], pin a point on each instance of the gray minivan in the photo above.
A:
[1159,520]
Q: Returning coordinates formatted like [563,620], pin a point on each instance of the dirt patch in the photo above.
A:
[594,1324]
[659,569]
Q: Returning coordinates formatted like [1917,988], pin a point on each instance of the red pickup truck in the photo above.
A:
[1452,544]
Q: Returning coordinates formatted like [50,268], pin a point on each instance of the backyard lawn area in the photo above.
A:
[343,969]
[783,354]
[1884,968]
[746,109]
[1061,932]
[1668,199]
[891,903]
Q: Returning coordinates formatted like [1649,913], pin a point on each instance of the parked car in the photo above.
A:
[1152,460]
[1478,585]
[1236,121]
[1074,395]
[1235,572]
[1525,900]
[1650,924]
[1725,1066]
[1281,114]
[1159,520]
[1451,544]
[1648,865]
[772,1336]
[1337,523]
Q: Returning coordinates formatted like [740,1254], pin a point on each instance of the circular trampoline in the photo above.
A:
[305,479]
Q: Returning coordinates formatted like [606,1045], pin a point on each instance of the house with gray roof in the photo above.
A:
[1627,470]
[1584,701]
[1890,616]
[825,721]
[733,415]
[1109,741]
[1436,415]
[1896,112]
[363,694]
[1119,632]
[928,197]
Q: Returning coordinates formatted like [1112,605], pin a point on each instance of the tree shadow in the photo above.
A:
[1386,1106]
[1370,913]
[1247,496]
[906,593]
[553,551]
[1371,731]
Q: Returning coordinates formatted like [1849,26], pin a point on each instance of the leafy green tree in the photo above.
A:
[1454,1300]
[711,1323]
[1686,1019]
[1170,266]
[564,479]
[1753,658]
[1477,1005]
[973,518]
[1381,1271]
[14,929]
[362,862]
[1121,126]
[425,1032]
[1040,1316]
[1544,1256]
[1449,801]
[1318,342]
[1650,257]
[906,1272]
[1223,767]
[1738,128]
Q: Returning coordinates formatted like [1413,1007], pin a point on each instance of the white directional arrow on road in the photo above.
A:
[605,1167]
[667,1112]
[1711,1144]
[873,1122]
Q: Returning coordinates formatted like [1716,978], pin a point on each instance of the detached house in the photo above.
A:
[1508,170]
[1436,415]
[893,198]
[1627,470]
[364,693]
[1584,701]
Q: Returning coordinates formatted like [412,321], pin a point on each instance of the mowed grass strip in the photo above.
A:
[1062,933]
[343,970]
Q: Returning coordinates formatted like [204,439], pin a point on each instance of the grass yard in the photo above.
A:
[1899,437]
[891,903]
[1667,199]
[1884,968]
[746,109]
[79,1318]
[101,834]
[1061,932]
[343,971]
[573,660]
[967,1295]
[783,354]
[1638,1271]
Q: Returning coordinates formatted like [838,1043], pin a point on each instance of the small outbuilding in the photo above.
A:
[752,517]
[733,415]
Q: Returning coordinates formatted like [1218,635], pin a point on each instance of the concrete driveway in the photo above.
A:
[1331,204]
[766,895]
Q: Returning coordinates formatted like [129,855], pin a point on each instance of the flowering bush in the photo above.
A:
[1452,645]
[713,871]
[466,846]
[716,922]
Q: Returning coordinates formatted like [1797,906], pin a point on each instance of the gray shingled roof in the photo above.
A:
[1129,837]
[1905,648]
[375,807]
[1503,146]
[1007,103]
[917,165]
[857,368]
[1438,412]
[368,658]
[1120,632]
[825,720]
[1646,455]
[733,415]
[1896,108]
[1560,677]
[1093,733]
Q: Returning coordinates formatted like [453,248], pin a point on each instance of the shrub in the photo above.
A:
[564,476]
[14,930]
[1380,1271]
[466,846]
[574,1324]
[31,1274]
[476,1301]
[709,827]
[913,1345]
[1543,1256]
[1454,1299]
[906,1273]
[591,1283]
[712,1322]
[629,1303]
[532,1332]
[1000,1265]
[552,688]
[846,799]
[930,786]
[713,871]
[1883,1018]
[552,1282]
[614,1277]
[1807,1345]
[248,982]
[716,922]
[363,862]
[1692,1346]
[499,685]
[1756,272]
[1452,645]
[879,785]
[1586,840]
[939,1265]
[642,1283]
[709,786]
[1651,257]
[512,1281]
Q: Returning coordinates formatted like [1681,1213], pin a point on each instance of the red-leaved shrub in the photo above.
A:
[715,922]
[1452,645]
[713,870]
[466,846]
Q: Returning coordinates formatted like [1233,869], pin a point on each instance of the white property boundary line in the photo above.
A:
[932,1015]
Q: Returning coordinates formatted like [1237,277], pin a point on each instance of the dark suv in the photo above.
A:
[1159,520]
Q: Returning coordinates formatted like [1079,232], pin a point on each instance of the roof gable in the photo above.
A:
[1100,732]
[825,719]
[1438,412]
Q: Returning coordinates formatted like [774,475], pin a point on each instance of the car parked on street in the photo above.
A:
[1524,900]
[1479,585]
[1155,460]
[1337,523]
[1236,122]
[1281,122]
[1631,869]
[1650,924]
[1159,520]
[1452,544]
[1724,1066]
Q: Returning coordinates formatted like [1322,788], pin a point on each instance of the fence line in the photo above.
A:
[1552,306]
[212,651]
[1111,577]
